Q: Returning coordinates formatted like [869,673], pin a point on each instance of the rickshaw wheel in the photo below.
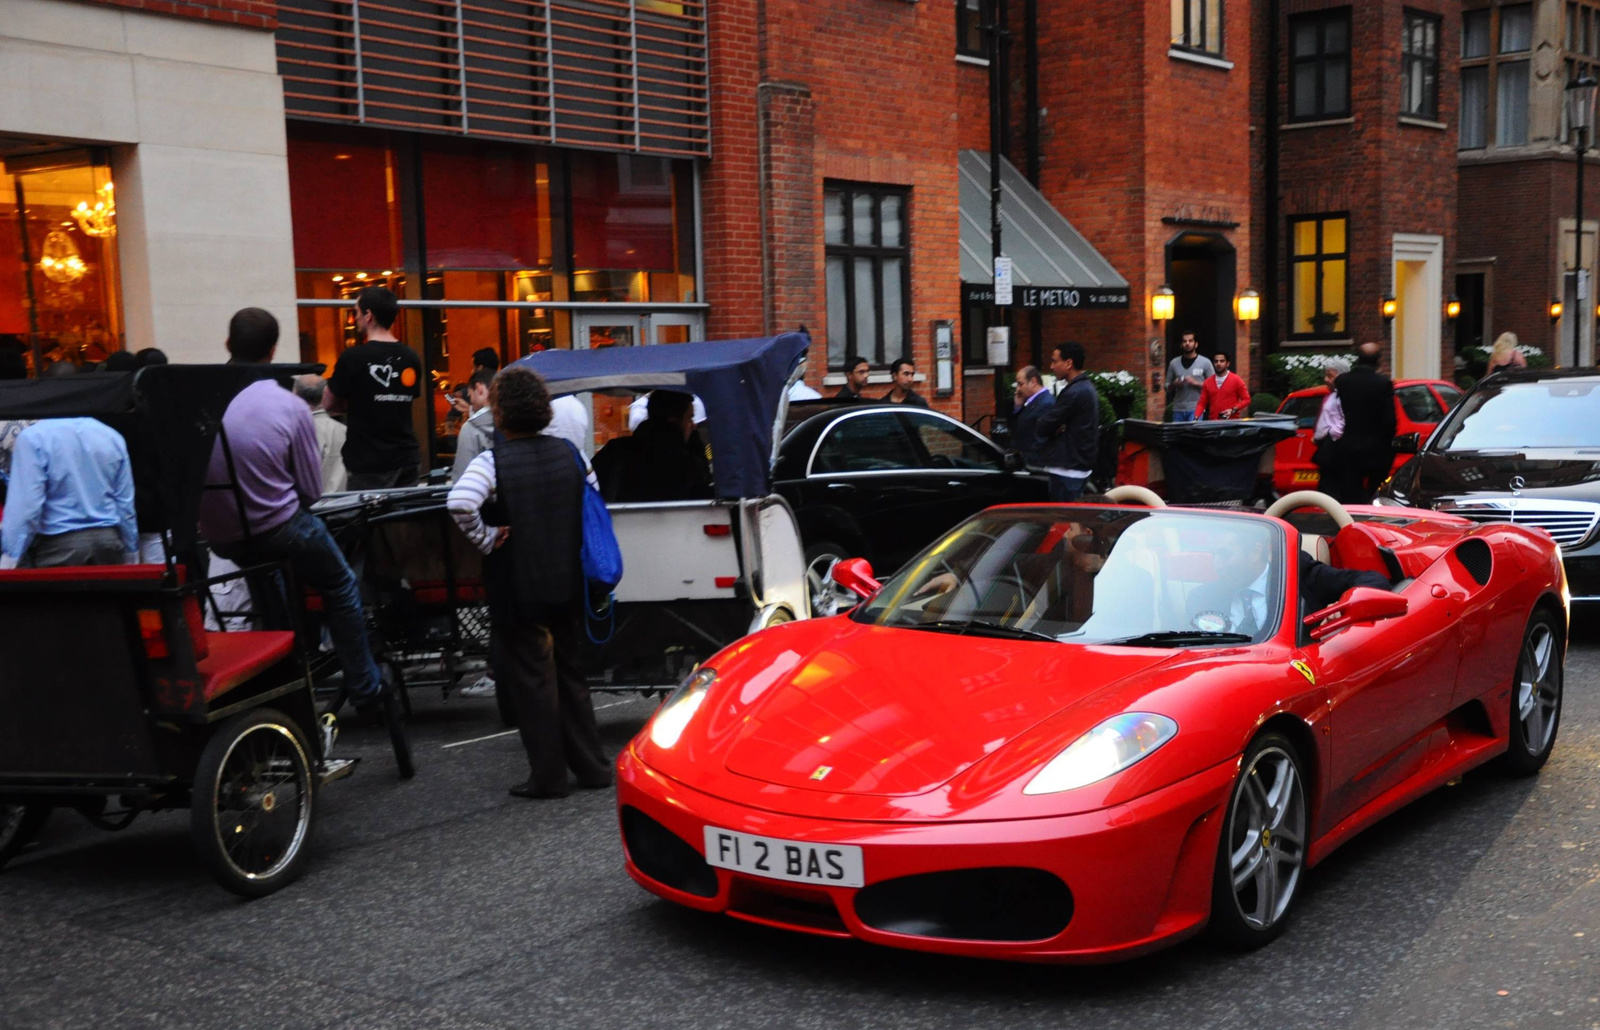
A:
[19,824]
[397,733]
[253,798]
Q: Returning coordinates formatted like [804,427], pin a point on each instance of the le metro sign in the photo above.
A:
[1050,296]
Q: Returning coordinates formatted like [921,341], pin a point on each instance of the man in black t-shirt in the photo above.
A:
[376,383]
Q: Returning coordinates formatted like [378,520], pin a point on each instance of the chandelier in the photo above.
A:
[59,259]
[100,220]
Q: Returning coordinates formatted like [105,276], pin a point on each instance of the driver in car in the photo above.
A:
[1237,603]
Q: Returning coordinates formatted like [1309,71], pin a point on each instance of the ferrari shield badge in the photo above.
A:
[821,772]
[1305,670]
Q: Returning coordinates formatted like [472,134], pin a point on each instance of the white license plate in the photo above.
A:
[827,865]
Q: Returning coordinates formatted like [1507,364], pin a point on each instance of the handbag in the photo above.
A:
[600,558]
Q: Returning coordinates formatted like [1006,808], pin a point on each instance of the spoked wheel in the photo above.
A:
[252,803]
[1262,853]
[19,824]
[1535,697]
[827,597]
[398,737]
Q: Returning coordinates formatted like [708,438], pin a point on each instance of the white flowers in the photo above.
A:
[1300,362]
[1524,349]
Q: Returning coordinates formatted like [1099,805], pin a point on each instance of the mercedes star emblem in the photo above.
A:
[1517,483]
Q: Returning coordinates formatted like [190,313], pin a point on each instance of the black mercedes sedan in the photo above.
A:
[1522,447]
[882,481]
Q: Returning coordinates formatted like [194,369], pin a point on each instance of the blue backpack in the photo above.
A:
[601,559]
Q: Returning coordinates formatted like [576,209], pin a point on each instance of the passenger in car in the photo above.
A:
[664,460]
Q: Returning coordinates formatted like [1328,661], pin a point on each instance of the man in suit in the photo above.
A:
[1366,450]
[1240,601]
[1033,400]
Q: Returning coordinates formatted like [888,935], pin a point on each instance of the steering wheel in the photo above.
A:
[1130,494]
[1310,499]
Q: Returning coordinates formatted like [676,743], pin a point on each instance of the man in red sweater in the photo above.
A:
[1224,394]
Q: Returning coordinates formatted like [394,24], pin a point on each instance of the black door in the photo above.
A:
[968,471]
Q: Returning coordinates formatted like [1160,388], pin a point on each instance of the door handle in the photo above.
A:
[955,482]
[841,486]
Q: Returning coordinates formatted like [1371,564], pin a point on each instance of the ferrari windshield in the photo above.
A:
[1091,575]
[1559,413]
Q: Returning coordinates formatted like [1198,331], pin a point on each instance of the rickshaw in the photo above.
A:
[697,574]
[115,699]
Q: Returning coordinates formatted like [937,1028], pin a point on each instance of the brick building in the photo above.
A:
[1517,176]
[1356,195]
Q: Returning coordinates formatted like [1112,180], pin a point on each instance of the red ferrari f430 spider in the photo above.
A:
[1082,732]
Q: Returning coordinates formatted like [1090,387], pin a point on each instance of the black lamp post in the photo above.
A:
[1580,118]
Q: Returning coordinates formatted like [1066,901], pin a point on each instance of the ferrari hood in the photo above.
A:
[868,710]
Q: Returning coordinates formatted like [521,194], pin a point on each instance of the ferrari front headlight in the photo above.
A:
[674,715]
[1109,748]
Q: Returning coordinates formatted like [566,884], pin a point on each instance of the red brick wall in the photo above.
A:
[255,14]
[803,93]
[1391,177]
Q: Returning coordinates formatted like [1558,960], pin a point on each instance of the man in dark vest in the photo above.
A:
[1365,452]
[522,505]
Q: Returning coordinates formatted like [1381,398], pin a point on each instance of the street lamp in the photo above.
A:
[1248,306]
[1163,303]
[1452,308]
[1390,307]
[1556,307]
[1580,118]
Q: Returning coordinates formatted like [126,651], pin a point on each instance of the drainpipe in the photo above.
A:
[1271,294]
[1031,132]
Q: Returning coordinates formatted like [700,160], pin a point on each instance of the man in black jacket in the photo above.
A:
[522,504]
[1364,454]
[1069,432]
[1033,400]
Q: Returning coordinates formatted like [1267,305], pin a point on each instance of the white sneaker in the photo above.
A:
[484,687]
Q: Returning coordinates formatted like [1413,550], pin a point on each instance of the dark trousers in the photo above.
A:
[535,659]
[1353,473]
[101,545]
[1065,489]
[305,543]
[387,479]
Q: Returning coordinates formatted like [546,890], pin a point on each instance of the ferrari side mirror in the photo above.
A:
[855,575]
[1360,604]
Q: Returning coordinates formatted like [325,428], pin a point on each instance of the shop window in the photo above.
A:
[1319,59]
[1419,66]
[1197,25]
[971,17]
[60,287]
[632,228]
[867,240]
[1319,254]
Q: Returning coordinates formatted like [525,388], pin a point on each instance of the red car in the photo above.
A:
[1419,405]
[1055,735]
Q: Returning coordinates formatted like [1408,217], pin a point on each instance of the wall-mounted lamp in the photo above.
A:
[1452,308]
[1391,307]
[1556,308]
[1163,303]
[1248,306]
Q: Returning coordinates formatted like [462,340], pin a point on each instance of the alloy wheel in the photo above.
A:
[1266,847]
[1538,688]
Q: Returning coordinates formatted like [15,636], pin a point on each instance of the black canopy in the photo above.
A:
[169,416]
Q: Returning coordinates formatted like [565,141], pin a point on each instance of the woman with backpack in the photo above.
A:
[522,505]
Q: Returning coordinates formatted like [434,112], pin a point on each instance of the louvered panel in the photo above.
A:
[624,75]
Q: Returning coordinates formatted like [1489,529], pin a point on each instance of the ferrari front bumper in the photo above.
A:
[1139,875]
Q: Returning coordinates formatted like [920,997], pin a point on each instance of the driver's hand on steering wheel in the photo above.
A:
[943,583]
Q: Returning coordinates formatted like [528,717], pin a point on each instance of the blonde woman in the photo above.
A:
[1505,354]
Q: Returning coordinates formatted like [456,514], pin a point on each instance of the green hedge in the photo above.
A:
[1477,360]
[1264,401]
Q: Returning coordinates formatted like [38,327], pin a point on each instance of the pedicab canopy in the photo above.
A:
[743,383]
[168,414]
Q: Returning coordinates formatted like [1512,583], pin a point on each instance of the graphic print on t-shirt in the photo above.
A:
[378,380]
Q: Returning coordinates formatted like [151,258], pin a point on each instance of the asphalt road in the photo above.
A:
[443,902]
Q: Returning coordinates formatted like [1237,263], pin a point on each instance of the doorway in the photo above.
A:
[1472,325]
[1202,271]
[1419,296]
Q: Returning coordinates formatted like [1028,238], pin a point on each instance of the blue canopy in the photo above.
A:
[742,382]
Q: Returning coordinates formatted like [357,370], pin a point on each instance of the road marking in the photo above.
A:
[507,733]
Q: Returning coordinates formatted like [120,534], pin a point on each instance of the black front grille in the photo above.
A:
[1001,904]
[1475,558]
[664,856]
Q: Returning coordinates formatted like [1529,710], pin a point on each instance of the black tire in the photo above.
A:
[1249,904]
[253,801]
[1535,700]
[398,738]
[19,825]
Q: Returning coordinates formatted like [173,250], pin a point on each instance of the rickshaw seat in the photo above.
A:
[236,657]
[84,573]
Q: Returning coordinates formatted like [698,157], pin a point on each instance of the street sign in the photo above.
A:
[998,341]
[1002,281]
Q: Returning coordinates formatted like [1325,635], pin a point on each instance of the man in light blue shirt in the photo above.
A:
[70,500]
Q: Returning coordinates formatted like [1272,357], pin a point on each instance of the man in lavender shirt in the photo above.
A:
[279,472]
